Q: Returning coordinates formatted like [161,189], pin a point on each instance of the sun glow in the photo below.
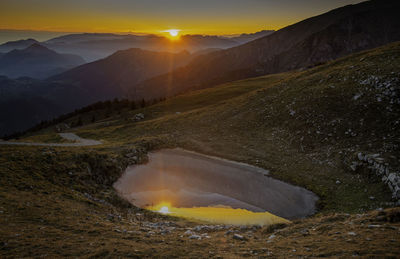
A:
[220,215]
[173,33]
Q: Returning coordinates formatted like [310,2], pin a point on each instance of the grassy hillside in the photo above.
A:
[307,127]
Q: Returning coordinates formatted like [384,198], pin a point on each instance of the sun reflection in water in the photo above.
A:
[220,215]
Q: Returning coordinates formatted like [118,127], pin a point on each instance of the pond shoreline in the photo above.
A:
[190,179]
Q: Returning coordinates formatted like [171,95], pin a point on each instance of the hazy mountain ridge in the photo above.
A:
[318,39]
[18,44]
[247,37]
[110,77]
[94,46]
[36,61]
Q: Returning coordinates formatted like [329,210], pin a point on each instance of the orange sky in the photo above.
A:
[153,16]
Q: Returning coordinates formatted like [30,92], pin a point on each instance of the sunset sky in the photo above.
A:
[153,16]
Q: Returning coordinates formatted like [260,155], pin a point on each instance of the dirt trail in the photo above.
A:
[79,142]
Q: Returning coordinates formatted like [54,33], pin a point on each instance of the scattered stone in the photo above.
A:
[195,237]
[357,96]
[150,233]
[351,234]
[271,236]
[374,226]
[138,117]
[189,232]
[338,182]
[238,237]
[305,232]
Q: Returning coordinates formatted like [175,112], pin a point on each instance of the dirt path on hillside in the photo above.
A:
[79,142]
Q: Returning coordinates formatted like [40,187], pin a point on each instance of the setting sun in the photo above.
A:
[173,32]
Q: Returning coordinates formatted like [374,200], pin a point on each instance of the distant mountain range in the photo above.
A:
[36,61]
[138,74]
[93,46]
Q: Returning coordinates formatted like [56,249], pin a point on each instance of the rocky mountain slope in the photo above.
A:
[330,129]
[310,42]
[36,61]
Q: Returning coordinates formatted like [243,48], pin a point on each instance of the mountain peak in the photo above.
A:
[36,47]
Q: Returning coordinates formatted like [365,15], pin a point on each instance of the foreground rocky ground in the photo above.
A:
[59,202]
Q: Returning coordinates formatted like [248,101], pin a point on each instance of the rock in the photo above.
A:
[305,232]
[271,236]
[195,237]
[371,197]
[338,182]
[238,237]
[203,228]
[189,232]
[150,233]
[357,96]
[354,166]
[374,226]
[138,117]
[351,234]
[139,216]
